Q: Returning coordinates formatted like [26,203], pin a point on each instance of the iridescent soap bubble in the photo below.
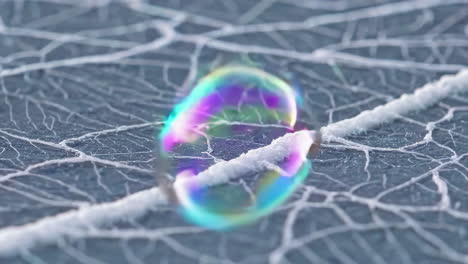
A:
[231,105]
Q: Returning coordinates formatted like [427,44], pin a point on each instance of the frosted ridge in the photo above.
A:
[15,240]
[421,98]
[253,160]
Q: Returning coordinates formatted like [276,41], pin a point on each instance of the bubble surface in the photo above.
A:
[231,107]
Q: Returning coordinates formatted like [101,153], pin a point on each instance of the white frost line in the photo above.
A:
[167,36]
[422,98]
[49,230]
[254,160]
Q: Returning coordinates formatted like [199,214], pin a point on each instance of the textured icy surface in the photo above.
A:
[85,84]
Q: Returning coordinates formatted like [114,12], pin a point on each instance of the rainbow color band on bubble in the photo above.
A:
[274,190]
[181,128]
[220,101]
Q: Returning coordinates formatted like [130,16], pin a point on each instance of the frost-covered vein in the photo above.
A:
[319,55]
[97,59]
[108,131]
[14,240]
[364,13]
[145,8]
[349,59]
[80,156]
[420,99]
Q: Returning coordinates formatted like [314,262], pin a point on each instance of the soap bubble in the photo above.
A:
[231,106]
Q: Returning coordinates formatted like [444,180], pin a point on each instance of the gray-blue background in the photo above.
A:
[97,77]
